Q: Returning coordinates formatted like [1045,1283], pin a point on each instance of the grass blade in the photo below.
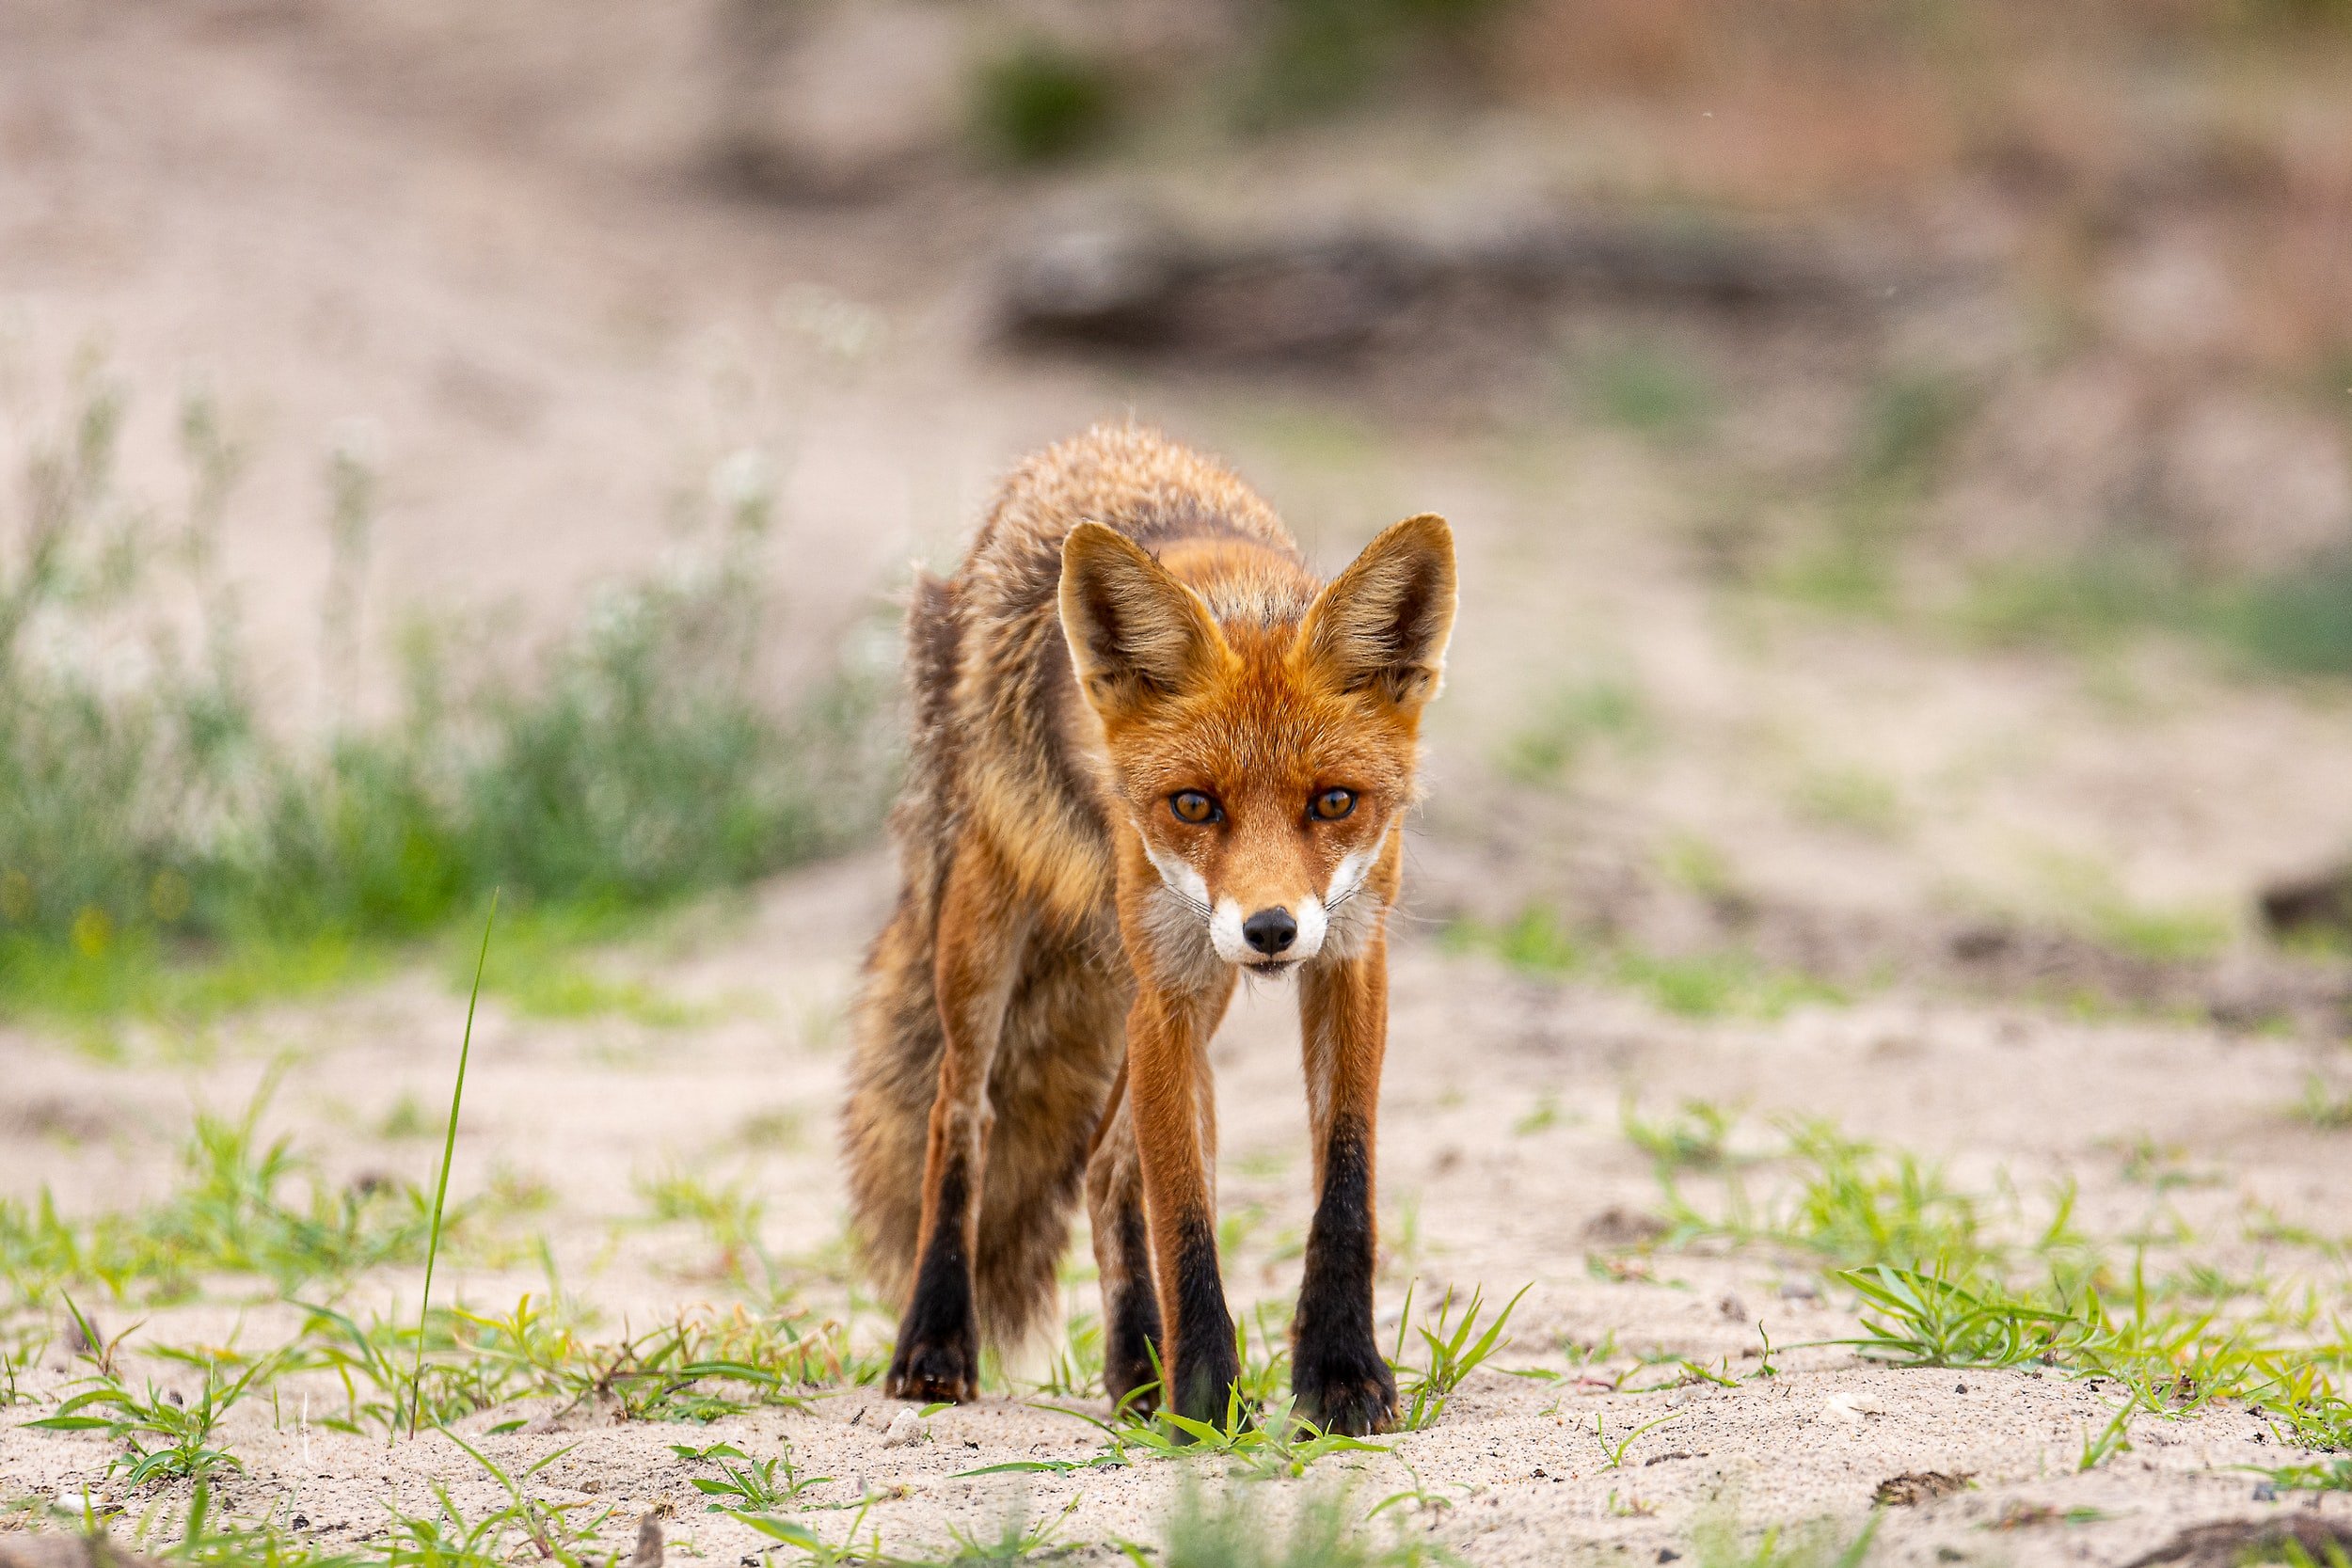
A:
[449,1152]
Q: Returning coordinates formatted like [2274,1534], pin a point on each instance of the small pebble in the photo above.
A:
[2265,1493]
[906,1429]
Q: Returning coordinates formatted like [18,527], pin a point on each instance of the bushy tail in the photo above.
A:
[895,1031]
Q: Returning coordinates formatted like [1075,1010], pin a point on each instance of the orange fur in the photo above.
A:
[1150,749]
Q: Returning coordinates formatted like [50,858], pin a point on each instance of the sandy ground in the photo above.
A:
[1498,1197]
[545,347]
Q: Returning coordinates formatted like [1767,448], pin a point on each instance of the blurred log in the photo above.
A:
[2311,905]
[1136,282]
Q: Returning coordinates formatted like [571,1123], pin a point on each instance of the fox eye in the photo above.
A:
[1192,806]
[1332,805]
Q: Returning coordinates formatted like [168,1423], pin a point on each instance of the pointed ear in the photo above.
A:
[1383,623]
[1135,633]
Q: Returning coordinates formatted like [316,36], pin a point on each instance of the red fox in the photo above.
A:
[1150,751]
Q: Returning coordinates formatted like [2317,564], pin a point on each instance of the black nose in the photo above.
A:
[1270,931]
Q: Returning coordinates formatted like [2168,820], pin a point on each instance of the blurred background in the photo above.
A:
[1902,450]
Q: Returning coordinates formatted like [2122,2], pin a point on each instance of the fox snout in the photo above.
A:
[1272,935]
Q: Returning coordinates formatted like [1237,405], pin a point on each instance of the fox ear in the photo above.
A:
[1135,633]
[1383,623]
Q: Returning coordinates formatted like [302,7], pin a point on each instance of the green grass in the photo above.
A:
[165,1436]
[449,1157]
[1858,799]
[544,967]
[1570,723]
[1850,1204]
[2090,899]
[1718,1541]
[1727,983]
[2294,623]
[1321,58]
[1905,428]
[1452,1348]
[1941,1276]
[1697,1138]
[234,1213]
[1042,101]
[1649,388]
[1237,1529]
[166,849]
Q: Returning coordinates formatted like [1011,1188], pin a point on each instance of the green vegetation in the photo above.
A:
[1573,721]
[1450,1350]
[1859,800]
[1235,1530]
[749,1484]
[164,848]
[1907,426]
[2090,899]
[1943,1277]
[2324,1109]
[1723,983]
[1649,388]
[233,1213]
[1697,1138]
[449,1157]
[2293,623]
[1852,1205]
[1042,101]
[1717,1542]
[1322,56]
[164,1435]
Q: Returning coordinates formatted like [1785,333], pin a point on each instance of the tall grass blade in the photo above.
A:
[449,1152]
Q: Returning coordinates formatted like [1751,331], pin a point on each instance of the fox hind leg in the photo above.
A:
[1059,1050]
[980,946]
[1122,1259]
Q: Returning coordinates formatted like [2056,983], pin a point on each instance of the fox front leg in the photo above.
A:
[1169,1090]
[980,944]
[1342,1383]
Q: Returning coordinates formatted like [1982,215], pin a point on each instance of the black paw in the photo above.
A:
[1204,1384]
[934,1370]
[1345,1390]
[1133,1385]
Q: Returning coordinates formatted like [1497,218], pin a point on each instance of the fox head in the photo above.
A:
[1262,735]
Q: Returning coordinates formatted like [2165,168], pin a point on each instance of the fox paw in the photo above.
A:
[1349,1393]
[1134,1387]
[1205,1384]
[932,1372]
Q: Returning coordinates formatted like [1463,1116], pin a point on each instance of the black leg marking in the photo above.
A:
[1337,1372]
[1131,1341]
[938,1355]
[1206,1365]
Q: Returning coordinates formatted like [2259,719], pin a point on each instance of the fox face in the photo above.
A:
[1262,736]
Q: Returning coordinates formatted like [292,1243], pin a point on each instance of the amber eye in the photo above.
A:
[1332,805]
[1192,806]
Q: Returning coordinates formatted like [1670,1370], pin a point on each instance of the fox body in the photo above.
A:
[1150,750]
